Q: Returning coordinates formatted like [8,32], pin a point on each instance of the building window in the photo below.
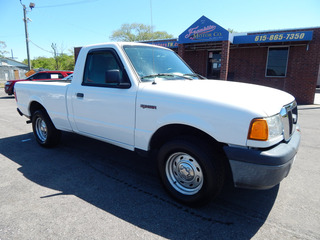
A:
[277,62]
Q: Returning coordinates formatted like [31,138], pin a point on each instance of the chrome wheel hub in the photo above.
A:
[41,129]
[184,173]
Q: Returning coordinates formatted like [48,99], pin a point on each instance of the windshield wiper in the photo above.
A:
[167,75]
[158,75]
[194,75]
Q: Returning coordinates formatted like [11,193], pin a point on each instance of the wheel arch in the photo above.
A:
[171,131]
[44,130]
[34,106]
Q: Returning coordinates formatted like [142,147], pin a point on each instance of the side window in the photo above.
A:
[40,76]
[105,70]
[277,62]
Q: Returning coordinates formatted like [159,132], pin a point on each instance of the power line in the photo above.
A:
[40,47]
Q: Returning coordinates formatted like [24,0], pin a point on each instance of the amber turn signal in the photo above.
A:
[258,130]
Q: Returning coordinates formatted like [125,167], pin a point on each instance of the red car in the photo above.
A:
[39,76]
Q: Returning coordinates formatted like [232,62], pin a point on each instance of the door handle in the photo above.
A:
[80,95]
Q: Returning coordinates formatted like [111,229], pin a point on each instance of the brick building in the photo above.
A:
[286,59]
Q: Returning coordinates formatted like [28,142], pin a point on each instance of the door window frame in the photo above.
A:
[118,61]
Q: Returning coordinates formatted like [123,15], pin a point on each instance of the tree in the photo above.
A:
[66,62]
[230,30]
[137,32]
[56,56]
[42,62]
[3,45]
[62,61]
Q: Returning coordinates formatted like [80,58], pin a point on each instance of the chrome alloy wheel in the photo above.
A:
[41,129]
[184,173]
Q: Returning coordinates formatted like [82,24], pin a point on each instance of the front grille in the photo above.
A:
[289,118]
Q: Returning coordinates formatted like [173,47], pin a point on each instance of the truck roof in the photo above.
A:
[120,44]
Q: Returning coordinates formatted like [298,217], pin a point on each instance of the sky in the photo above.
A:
[74,23]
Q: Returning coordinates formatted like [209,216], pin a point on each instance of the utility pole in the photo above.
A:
[25,19]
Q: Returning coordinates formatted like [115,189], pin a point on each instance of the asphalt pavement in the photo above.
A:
[86,189]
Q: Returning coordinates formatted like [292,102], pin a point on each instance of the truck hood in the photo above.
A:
[260,100]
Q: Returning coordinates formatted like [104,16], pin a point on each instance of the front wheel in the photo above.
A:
[191,172]
[43,129]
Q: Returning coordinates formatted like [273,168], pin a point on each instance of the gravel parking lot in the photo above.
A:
[86,189]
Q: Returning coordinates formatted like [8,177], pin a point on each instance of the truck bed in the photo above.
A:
[50,94]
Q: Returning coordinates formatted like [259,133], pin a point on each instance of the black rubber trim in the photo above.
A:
[20,113]
[278,155]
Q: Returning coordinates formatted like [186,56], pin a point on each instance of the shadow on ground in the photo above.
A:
[126,185]
[7,97]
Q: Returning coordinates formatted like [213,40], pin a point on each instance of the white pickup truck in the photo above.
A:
[145,98]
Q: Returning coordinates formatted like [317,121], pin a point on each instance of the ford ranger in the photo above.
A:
[145,98]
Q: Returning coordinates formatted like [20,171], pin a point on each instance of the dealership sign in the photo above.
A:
[204,30]
[274,37]
[167,44]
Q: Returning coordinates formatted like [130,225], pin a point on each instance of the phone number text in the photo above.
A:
[279,37]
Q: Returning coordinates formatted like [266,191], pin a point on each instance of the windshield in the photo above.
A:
[151,62]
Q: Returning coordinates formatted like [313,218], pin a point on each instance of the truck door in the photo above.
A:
[104,104]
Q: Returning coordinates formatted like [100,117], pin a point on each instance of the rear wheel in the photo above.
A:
[191,172]
[43,129]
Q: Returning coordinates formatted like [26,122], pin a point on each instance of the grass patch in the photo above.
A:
[1,85]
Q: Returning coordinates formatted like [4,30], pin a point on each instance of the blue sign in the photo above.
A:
[274,37]
[204,30]
[167,44]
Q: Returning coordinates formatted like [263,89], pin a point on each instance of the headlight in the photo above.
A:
[264,129]
[8,83]
[275,126]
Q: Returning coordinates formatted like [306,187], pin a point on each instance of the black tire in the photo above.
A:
[43,129]
[191,171]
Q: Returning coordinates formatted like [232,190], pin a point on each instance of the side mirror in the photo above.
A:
[114,78]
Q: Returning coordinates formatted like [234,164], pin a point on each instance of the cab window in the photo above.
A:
[104,69]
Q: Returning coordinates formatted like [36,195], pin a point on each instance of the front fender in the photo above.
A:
[221,131]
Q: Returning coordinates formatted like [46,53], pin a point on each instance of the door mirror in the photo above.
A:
[113,78]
